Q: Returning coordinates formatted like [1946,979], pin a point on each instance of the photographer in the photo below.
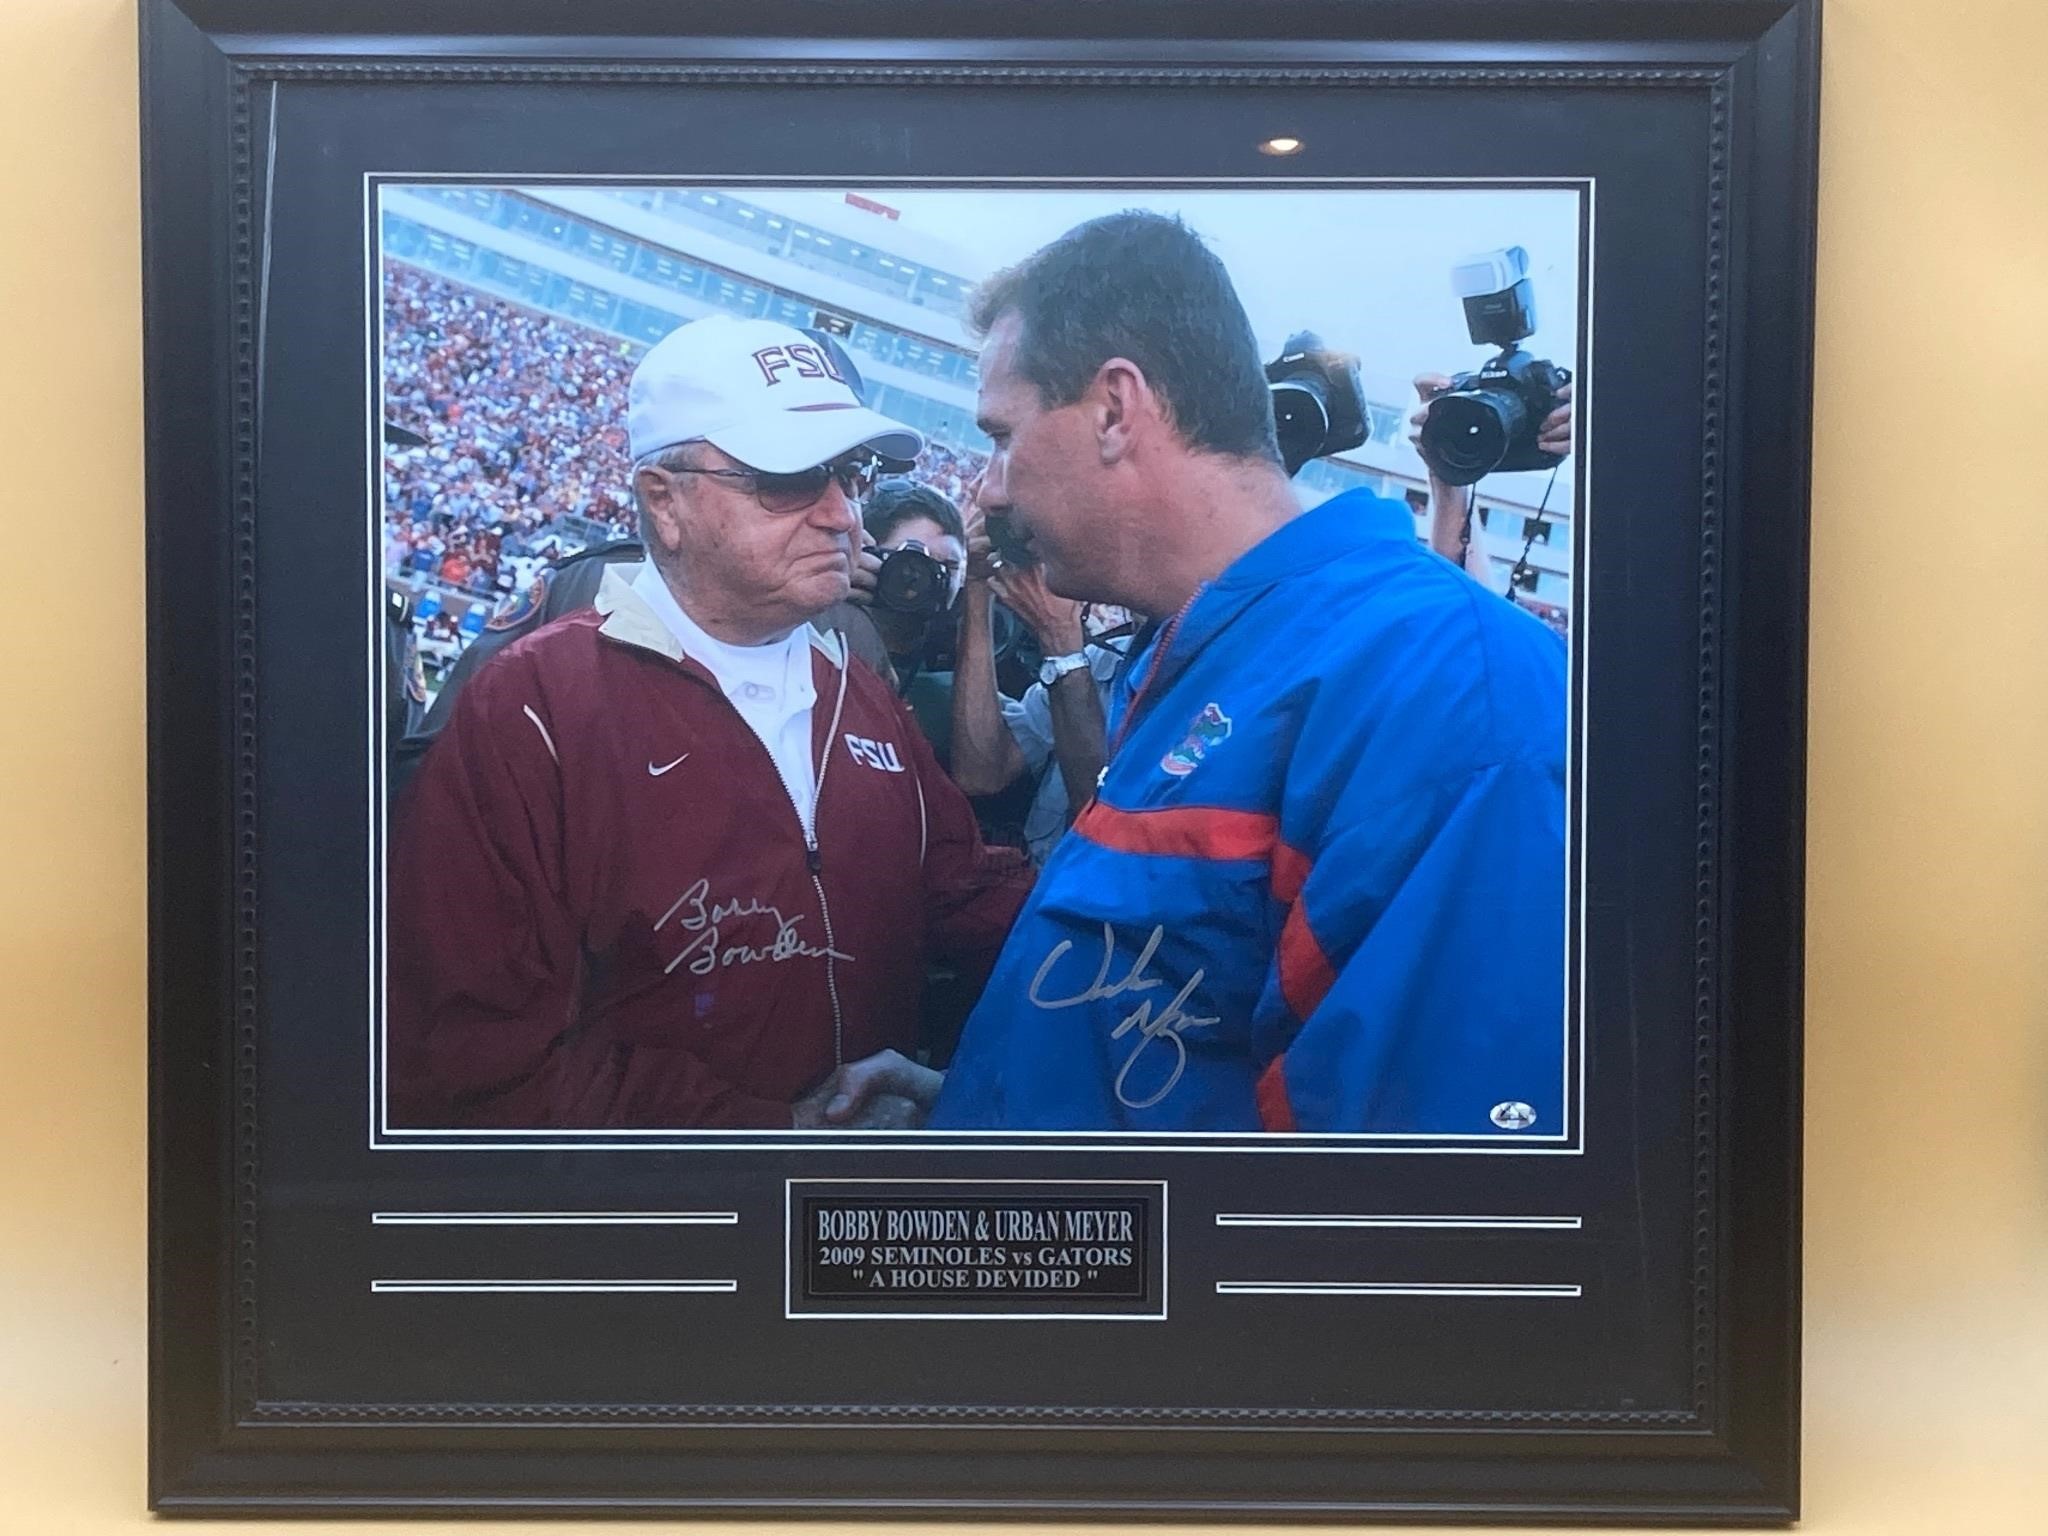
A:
[1451,530]
[1511,414]
[1059,721]
[910,600]
[907,576]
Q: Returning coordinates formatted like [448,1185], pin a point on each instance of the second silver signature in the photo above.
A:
[1165,1026]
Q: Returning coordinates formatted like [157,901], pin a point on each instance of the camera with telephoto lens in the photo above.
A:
[911,581]
[1488,421]
[1318,407]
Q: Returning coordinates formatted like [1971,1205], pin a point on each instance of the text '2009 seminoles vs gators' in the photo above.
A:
[956,1249]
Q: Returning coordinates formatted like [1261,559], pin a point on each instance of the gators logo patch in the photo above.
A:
[521,606]
[1210,727]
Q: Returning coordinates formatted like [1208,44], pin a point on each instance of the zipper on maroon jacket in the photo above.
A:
[814,859]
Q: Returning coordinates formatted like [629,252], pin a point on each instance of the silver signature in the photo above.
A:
[1167,1026]
[701,917]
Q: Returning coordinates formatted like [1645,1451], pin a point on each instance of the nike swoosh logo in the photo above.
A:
[658,772]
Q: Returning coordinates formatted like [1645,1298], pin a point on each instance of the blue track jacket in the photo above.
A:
[1323,885]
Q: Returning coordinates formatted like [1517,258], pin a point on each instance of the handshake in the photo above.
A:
[883,1092]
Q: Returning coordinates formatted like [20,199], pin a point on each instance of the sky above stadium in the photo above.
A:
[1367,268]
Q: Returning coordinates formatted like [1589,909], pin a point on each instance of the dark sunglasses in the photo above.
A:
[799,491]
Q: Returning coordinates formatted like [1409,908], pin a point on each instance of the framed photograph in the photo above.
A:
[838,700]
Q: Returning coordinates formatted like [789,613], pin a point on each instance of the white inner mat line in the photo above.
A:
[1384,1288]
[400,1287]
[554,1218]
[1517,1223]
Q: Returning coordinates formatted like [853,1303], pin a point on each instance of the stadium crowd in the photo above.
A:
[522,416]
[950,471]
[520,413]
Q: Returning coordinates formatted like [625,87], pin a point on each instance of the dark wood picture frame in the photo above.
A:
[1696,713]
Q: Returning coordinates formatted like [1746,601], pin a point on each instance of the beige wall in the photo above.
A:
[1927,1357]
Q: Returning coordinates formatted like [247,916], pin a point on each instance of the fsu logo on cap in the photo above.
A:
[807,361]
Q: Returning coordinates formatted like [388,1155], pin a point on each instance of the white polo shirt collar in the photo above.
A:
[770,685]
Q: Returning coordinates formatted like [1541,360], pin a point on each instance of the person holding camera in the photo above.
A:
[1451,530]
[1512,413]
[1056,730]
[907,577]
[1321,883]
[674,861]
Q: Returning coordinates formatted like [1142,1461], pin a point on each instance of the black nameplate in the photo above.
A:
[1025,1249]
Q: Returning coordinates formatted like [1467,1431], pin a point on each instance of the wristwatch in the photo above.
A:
[1056,667]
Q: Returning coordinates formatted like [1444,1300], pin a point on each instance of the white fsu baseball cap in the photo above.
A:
[763,392]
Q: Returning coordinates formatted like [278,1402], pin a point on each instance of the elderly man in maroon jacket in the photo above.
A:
[674,861]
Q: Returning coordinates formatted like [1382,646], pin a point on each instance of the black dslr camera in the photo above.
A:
[1488,421]
[912,582]
[1318,407]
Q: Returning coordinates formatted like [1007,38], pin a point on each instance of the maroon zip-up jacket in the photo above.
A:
[605,912]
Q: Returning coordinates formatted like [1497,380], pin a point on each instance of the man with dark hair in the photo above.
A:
[1141,287]
[1321,885]
[896,504]
[902,515]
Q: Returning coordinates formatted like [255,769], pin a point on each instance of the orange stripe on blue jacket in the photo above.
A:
[1323,885]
